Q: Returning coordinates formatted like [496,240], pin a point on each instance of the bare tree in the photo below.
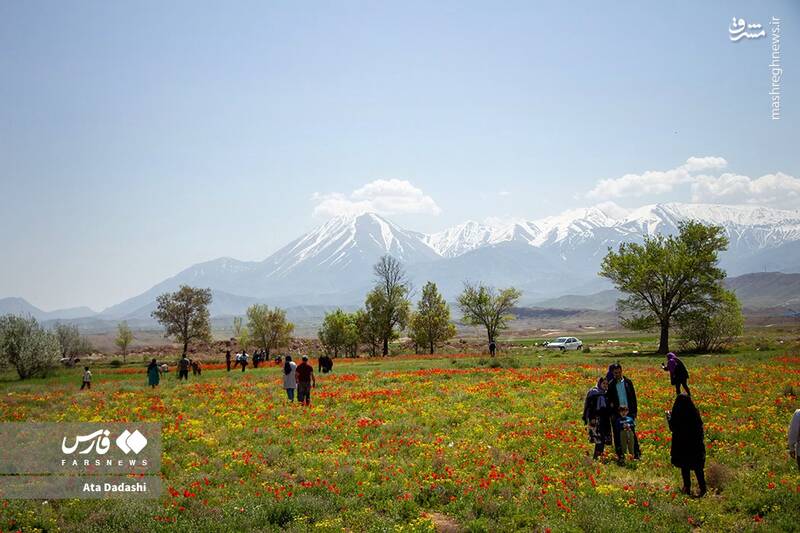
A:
[72,343]
[484,306]
[388,302]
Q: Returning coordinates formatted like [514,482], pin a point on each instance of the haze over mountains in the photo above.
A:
[546,258]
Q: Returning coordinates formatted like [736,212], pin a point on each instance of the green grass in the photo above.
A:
[401,444]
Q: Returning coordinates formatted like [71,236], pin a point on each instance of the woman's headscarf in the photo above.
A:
[287,368]
[610,373]
[685,416]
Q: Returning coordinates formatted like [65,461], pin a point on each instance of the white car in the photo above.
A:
[565,343]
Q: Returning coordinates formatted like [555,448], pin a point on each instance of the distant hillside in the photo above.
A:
[20,306]
[760,290]
[600,301]
[763,290]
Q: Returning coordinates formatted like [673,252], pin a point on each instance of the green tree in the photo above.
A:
[387,303]
[269,327]
[184,315]
[711,330]
[368,331]
[430,324]
[666,276]
[24,345]
[339,333]
[124,338]
[484,306]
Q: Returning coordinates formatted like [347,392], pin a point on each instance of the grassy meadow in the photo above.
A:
[449,442]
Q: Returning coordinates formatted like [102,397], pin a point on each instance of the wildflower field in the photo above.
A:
[442,443]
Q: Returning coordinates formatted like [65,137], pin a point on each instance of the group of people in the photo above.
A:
[295,377]
[242,359]
[299,377]
[610,412]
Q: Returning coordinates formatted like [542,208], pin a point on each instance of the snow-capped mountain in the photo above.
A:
[472,235]
[749,228]
[547,257]
[346,241]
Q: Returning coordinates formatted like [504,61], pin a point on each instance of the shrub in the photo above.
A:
[718,476]
[710,330]
[116,363]
[586,349]
[761,345]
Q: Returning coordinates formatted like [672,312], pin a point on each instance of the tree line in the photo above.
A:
[669,281]
[388,311]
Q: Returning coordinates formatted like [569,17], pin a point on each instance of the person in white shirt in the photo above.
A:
[289,377]
[87,378]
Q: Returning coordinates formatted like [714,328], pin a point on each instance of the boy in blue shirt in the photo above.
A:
[626,426]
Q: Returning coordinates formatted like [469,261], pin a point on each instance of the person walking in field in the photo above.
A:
[597,417]
[183,368]
[87,378]
[492,347]
[243,361]
[622,392]
[794,437]
[289,377]
[153,374]
[228,359]
[305,380]
[196,368]
[325,364]
[688,449]
[678,374]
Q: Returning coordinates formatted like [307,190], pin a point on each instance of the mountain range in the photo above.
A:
[546,258]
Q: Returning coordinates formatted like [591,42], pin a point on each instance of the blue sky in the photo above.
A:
[137,139]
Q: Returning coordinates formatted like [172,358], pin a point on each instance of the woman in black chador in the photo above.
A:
[688,449]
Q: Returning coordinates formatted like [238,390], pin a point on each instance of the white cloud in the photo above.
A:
[386,197]
[654,181]
[699,175]
[696,164]
[778,190]
[503,193]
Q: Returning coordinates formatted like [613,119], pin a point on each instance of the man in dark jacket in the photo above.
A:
[622,392]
